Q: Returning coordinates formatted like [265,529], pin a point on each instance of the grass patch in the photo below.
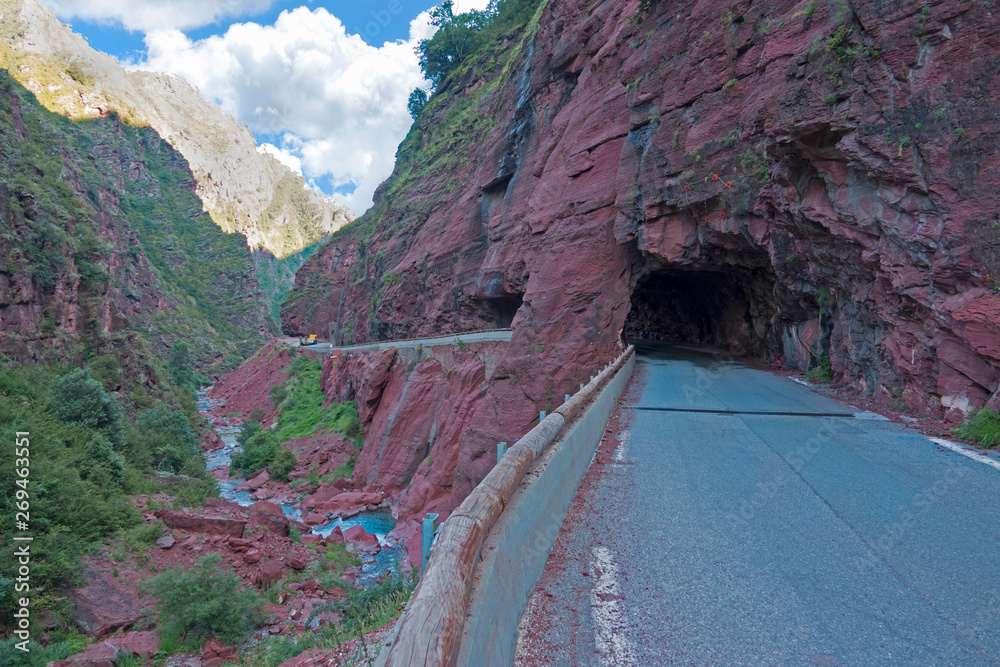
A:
[983,428]
[361,612]
[302,411]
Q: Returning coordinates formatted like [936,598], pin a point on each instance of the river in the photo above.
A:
[378,523]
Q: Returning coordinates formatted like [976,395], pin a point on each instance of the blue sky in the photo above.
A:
[362,18]
[322,85]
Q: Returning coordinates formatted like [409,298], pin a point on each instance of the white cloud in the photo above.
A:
[148,15]
[338,103]
[283,156]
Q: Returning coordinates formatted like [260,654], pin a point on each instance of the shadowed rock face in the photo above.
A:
[786,184]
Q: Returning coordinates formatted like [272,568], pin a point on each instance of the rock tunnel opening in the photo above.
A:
[733,307]
[502,309]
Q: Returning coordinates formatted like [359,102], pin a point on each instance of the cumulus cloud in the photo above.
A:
[338,103]
[283,156]
[331,106]
[148,15]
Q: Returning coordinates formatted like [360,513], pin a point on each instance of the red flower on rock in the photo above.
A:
[729,184]
[687,187]
[709,218]
[722,214]
[715,177]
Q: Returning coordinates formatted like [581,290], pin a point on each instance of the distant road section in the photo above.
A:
[452,339]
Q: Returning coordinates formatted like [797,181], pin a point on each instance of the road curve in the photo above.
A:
[709,537]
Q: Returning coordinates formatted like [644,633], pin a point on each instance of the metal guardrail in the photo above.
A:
[430,630]
[445,338]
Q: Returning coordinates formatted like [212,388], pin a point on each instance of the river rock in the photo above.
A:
[254,483]
[360,541]
[269,573]
[166,542]
[315,519]
[142,644]
[268,507]
[349,504]
[215,653]
[101,654]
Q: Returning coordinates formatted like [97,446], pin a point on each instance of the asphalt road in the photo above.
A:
[708,538]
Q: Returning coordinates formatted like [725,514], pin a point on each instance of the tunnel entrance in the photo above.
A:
[729,306]
[502,309]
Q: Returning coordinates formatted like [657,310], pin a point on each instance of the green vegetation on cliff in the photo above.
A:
[108,268]
[276,277]
[301,414]
[101,229]
[86,456]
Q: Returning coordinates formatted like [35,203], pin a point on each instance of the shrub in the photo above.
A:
[823,372]
[204,602]
[278,393]
[250,429]
[258,453]
[193,493]
[100,465]
[982,428]
[284,462]
[163,437]
[77,398]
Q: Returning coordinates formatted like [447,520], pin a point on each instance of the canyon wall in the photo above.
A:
[104,249]
[787,180]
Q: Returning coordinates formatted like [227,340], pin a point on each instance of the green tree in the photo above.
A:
[77,398]
[418,98]
[163,438]
[180,366]
[101,465]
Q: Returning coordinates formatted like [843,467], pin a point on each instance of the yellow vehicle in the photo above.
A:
[308,340]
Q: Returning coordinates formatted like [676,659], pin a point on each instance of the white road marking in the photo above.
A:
[964,451]
[607,615]
[619,454]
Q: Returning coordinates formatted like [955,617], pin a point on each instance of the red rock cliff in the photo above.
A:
[788,179]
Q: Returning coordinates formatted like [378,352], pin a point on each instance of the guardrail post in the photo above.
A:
[501,450]
[429,526]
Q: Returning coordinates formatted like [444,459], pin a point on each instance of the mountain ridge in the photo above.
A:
[242,188]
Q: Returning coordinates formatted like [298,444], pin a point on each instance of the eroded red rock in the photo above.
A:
[198,523]
[103,606]
[214,653]
[360,541]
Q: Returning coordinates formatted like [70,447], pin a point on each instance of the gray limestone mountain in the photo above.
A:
[242,189]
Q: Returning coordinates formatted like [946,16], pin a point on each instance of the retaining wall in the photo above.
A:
[466,579]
